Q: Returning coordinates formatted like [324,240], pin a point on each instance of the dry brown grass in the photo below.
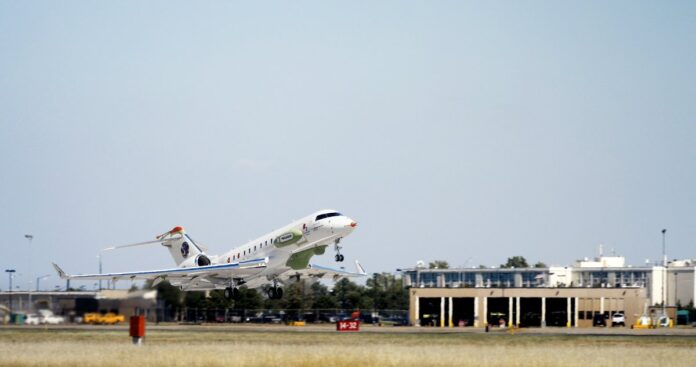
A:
[247,348]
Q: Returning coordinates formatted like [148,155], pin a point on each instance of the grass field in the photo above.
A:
[285,347]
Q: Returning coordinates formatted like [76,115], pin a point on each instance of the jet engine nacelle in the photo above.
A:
[195,261]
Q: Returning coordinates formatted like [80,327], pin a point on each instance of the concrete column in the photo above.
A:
[476,312]
[509,324]
[416,317]
[451,307]
[568,316]
[543,311]
[601,305]
[517,314]
[485,311]
[577,313]
[442,311]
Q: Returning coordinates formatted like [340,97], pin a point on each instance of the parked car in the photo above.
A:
[599,320]
[618,319]
[32,319]
[47,317]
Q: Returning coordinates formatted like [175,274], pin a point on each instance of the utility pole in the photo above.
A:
[10,273]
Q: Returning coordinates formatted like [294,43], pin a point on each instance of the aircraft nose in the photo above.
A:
[350,223]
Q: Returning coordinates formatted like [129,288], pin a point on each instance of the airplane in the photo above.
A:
[275,258]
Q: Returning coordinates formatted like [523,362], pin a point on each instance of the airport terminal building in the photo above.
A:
[553,296]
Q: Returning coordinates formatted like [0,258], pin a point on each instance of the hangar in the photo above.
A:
[523,307]
[552,296]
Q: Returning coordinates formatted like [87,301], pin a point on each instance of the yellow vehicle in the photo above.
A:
[109,318]
[643,322]
[91,318]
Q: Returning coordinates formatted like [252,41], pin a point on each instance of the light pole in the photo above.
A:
[29,237]
[10,273]
[100,271]
[664,275]
[39,279]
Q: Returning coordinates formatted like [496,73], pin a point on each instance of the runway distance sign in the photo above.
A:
[348,325]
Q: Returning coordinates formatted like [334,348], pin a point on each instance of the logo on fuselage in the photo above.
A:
[288,238]
[185,249]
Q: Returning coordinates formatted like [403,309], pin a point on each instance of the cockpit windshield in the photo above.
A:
[327,215]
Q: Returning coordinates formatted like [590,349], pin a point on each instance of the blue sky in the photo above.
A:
[465,131]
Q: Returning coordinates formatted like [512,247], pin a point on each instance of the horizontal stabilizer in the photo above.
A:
[155,242]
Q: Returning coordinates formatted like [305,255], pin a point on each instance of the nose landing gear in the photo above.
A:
[338,247]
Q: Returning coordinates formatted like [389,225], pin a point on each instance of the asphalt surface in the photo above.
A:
[615,331]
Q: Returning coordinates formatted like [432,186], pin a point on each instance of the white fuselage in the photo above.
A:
[322,228]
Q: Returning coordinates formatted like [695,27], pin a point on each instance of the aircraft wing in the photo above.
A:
[320,271]
[231,270]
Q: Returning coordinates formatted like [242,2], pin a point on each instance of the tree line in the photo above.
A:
[382,291]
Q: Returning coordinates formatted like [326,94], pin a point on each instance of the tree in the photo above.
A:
[387,292]
[249,299]
[322,297]
[540,264]
[351,296]
[438,264]
[515,262]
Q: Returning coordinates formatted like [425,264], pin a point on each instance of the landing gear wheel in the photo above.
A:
[339,258]
[272,294]
[275,293]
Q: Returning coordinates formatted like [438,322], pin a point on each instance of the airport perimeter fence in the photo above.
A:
[266,316]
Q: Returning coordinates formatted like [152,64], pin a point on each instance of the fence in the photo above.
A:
[269,316]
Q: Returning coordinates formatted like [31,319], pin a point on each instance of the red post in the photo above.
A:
[137,329]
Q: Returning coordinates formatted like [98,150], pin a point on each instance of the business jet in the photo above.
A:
[267,262]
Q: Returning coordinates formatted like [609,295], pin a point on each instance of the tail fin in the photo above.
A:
[183,248]
[60,271]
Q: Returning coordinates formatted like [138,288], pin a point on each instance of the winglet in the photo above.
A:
[60,271]
[361,270]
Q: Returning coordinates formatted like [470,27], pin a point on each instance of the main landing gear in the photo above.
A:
[337,247]
[275,293]
[231,293]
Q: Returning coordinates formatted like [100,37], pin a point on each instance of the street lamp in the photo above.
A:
[39,279]
[100,270]
[10,273]
[29,237]
[664,274]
